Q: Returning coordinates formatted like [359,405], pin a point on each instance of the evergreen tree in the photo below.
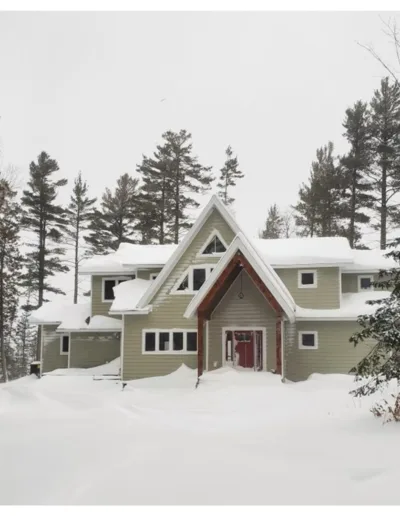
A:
[115,221]
[230,173]
[187,177]
[24,341]
[382,364]
[356,165]
[321,208]
[10,270]
[78,214]
[155,197]
[274,225]
[385,172]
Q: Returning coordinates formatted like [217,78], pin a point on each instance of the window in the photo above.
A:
[64,344]
[307,279]
[214,246]
[193,279]
[108,287]
[308,340]
[153,275]
[169,341]
[365,283]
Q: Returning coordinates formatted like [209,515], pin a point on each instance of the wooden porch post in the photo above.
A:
[200,346]
[279,345]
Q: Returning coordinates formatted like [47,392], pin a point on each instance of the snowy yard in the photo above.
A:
[240,438]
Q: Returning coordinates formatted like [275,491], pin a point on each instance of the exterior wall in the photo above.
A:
[98,306]
[335,354]
[325,295]
[52,359]
[145,273]
[168,312]
[93,349]
[350,281]
[251,311]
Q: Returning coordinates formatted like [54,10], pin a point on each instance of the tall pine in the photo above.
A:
[115,221]
[274,225]
[79,213]
[230,173]
[385,170]
[356,167]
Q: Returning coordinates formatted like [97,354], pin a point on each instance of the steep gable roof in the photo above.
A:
[214,204]
[264,270]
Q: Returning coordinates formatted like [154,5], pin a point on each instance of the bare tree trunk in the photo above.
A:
[2,337]
[177,201]
[383,207]
[76,264]
[352,227]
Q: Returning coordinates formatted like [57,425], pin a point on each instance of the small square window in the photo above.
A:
[191,344]
[308,340]
[199,277]
[65,344]
[109,290]
[365,282]
[177,341]
[164,341]
[307,279]
[150,342]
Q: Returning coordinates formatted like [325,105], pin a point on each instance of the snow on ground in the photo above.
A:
[240,438]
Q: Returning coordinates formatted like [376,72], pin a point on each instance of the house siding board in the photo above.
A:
[167,312]
[93,349]
[251,311]
[145,273]
[98,307]
[350,281]
[335,354]
[52,359]
[325,295]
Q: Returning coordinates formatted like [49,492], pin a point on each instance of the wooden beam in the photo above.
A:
[200,345]
[278,347]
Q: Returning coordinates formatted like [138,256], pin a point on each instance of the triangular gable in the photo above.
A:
[265,272]
[214,203]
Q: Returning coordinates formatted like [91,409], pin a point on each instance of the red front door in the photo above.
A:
[244,348]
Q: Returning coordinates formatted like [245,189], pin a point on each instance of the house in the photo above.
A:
[218,298]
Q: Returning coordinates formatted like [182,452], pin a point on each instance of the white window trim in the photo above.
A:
[364,276]
[307,271]
[301,333]
[153,275]
[170,331]
[213,233]
[61,342]
[114,278]
[189,272]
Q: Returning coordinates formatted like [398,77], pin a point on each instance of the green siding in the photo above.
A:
[98,306]
[251,311]
[168,312]
[93,349]
[335,354]
[325,295]
[350,281]
[52,359]
[145,273]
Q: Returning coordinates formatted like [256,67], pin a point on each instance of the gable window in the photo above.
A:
[64,344]
[169,342]
[108,287]
[307,279]
[193,279]
[215,245]
[308,340]
[365,283]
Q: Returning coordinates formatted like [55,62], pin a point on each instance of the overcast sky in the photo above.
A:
[87,89]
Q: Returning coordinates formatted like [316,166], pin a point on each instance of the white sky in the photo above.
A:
[86,88]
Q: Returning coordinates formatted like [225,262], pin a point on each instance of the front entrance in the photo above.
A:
[244,348]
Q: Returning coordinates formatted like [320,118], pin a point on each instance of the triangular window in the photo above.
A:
[215,246]
[185,284]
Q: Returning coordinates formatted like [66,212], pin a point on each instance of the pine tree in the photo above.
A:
[321,208]
[230,173]
[274,225]
[24,341]
[115,221]
[10,270]
[155,197]
[356,166]
[79,213]
[385,173]
[382,364]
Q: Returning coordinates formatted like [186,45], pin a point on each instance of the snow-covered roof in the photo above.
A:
[263,269]
[304,251]
[127,258]
[73,317]
[128,294]
[351,306]
[371,260]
